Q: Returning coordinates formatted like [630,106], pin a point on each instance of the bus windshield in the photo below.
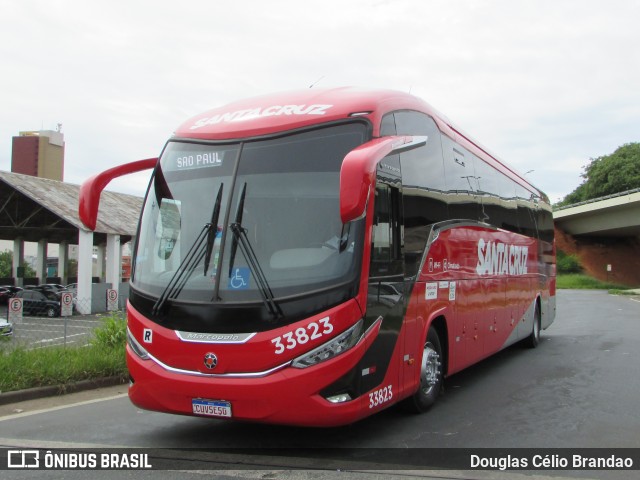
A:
[227,222]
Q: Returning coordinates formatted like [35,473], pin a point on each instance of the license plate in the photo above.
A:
[211,408]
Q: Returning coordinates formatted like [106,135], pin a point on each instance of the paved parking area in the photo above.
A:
[42,332]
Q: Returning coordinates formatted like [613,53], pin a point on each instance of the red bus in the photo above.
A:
[313,257]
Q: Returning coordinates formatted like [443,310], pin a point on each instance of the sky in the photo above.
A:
[545,85]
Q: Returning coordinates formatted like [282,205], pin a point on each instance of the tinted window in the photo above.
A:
[506,191]
[545,222]
[423,185]
[497,193]
[386,256]
[462,183]
[526,212]
[413,123]
[388,125]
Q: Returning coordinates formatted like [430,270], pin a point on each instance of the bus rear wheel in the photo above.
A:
[431,376]
[533,340]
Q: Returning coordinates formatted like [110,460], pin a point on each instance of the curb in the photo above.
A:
[56,390]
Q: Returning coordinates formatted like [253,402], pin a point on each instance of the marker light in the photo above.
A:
[136,347]
[332,348]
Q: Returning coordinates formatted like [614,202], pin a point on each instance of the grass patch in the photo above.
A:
[615,291]
[104,357]
[580,281]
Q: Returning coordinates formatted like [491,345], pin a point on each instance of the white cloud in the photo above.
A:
[546,85]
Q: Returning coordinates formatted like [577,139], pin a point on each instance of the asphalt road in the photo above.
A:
[579,389]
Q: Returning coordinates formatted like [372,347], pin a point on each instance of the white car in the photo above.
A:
[6,328]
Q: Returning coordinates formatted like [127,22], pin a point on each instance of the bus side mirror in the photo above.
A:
[358,171]
[91,189]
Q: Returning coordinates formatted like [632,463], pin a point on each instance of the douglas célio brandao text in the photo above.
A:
[550,462]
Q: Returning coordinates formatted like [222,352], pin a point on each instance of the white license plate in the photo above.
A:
[211,408]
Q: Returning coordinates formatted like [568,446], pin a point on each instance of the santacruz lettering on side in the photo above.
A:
[497,258]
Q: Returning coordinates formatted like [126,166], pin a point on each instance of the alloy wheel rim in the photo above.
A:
[430,369]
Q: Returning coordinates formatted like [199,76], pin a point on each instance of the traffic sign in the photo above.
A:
[66,302]
[112,300]
[15,310]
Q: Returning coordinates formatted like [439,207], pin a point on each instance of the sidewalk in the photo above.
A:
[27,406]
[59,390]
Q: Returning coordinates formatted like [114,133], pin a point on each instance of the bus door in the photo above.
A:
[386,290]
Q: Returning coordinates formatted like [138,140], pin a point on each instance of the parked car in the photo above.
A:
[7,292]
[5,295]
[6,328]
[73,289]
[35,302]
[48,287]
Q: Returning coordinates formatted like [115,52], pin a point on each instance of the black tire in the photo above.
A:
[51,312]
[431,376]
[533,340]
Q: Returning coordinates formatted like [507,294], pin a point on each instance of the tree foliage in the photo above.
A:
[567,263]
[6,266]
[609,174]
[6,259]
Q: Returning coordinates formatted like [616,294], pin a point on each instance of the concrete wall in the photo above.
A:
[595,253]
[99,296]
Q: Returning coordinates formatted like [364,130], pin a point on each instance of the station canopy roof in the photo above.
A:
[36,208]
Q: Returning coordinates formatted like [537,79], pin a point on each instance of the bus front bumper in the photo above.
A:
[289,396]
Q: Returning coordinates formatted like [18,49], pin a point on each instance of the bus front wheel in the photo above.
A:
[431,376]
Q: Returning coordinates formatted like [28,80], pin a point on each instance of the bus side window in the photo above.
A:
[386,252]
[388,125]
[462,183]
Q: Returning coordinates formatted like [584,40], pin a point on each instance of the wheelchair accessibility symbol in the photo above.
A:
[240,279]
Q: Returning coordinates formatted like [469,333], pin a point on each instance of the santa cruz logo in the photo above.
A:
[251,113]
[496,258]
[210,360]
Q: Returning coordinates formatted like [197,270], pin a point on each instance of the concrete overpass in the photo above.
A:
[613,216]
[605,234]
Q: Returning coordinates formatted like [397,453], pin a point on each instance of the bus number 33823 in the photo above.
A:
[299,336]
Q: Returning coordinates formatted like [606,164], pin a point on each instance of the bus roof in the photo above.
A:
[274,113]
[290,110]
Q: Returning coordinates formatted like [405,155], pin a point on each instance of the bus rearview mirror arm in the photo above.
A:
[91,189]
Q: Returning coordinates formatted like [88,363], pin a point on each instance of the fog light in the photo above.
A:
[341,398]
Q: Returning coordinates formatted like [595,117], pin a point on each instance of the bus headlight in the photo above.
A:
[333,347]
[136,347]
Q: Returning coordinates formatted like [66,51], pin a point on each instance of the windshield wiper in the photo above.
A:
[237,221]
[191,260]
[213,231]
[240,238]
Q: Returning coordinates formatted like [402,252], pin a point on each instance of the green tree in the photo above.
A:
[609,174]
[6,259]
[6,266]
